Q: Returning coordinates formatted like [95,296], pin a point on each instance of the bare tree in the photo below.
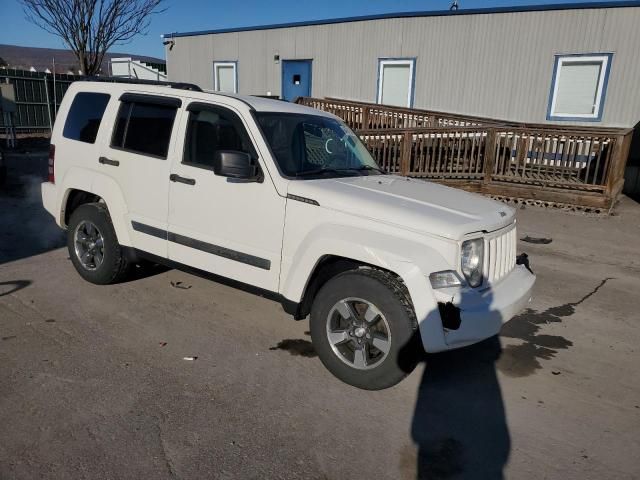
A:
[91,27]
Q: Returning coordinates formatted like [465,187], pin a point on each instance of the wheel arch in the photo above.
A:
[80,190]
[74,197]
[327,267]
[332,249]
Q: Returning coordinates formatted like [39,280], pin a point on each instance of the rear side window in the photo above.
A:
[85,115]
[144,128]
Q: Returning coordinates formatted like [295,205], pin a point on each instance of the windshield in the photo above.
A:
[308,146]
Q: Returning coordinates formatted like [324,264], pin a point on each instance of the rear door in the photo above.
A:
[221,225]
[139,159]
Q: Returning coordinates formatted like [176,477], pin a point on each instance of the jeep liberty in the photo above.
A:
[287,201]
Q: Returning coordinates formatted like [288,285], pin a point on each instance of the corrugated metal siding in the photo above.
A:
[497,65]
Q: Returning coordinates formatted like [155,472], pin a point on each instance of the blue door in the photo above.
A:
[296,79]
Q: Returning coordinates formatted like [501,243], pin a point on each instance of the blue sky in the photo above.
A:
[190,15]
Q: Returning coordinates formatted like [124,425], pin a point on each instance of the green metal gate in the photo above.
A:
[38,97]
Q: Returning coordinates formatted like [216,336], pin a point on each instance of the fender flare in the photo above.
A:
[408,259]
[106,188]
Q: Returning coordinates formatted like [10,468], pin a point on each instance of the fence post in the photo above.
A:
[615,173]
[405,159]
[489,154]
[46,91]
[365,118]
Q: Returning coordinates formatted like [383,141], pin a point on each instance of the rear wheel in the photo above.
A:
[363,328]
[93,245]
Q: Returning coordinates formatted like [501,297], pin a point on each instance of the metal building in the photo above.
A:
[573,64]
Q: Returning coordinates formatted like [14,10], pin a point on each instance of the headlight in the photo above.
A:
[472,258]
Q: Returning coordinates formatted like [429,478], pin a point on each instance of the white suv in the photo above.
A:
[287,201]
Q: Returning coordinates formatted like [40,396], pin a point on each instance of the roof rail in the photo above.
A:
[179,85]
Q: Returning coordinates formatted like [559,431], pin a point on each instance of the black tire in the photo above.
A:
[114,267]
[390,296]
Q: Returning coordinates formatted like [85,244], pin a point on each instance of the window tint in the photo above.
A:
[213,130]
[144,128]
[121,124]
[85,115]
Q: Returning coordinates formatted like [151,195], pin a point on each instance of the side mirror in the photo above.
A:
[233,164]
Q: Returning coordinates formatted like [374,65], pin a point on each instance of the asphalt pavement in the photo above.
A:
[173,376]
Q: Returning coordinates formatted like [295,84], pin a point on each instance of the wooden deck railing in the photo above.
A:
[361,116]
[570,165]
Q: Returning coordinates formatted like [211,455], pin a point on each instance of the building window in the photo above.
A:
[579,87]
[396,80]
[225,77]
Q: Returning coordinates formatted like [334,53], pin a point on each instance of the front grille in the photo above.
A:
[502,254]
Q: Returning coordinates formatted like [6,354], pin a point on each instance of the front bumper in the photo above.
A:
[483,312]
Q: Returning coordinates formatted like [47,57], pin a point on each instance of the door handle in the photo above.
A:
[177,178]
[107,161]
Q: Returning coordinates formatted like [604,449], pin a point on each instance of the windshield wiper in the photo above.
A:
[341,171]
[369,167]
[320,171]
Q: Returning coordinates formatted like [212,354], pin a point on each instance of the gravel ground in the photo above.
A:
[94,384]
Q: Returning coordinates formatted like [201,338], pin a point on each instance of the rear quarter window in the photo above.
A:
[85,115]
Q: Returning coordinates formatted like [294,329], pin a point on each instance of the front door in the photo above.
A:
[296,79]
[224,226]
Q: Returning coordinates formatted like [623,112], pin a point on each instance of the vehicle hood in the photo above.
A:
[408,203]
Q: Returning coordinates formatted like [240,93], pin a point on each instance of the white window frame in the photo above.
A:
[596,116]
[225,63]
[382,62]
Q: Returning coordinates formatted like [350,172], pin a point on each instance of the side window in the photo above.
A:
[210,130]
[85,115]
[144,128]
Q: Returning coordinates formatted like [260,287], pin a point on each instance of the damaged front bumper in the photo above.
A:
[472,315]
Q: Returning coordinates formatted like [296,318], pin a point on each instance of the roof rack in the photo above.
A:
[179,85]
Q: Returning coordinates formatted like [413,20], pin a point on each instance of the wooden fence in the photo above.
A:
[568,165]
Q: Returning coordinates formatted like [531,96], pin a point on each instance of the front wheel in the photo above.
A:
[364,329]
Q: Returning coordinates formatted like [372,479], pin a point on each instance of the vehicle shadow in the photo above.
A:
[145,270]
[7,288]
[459,425]
[27,229]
